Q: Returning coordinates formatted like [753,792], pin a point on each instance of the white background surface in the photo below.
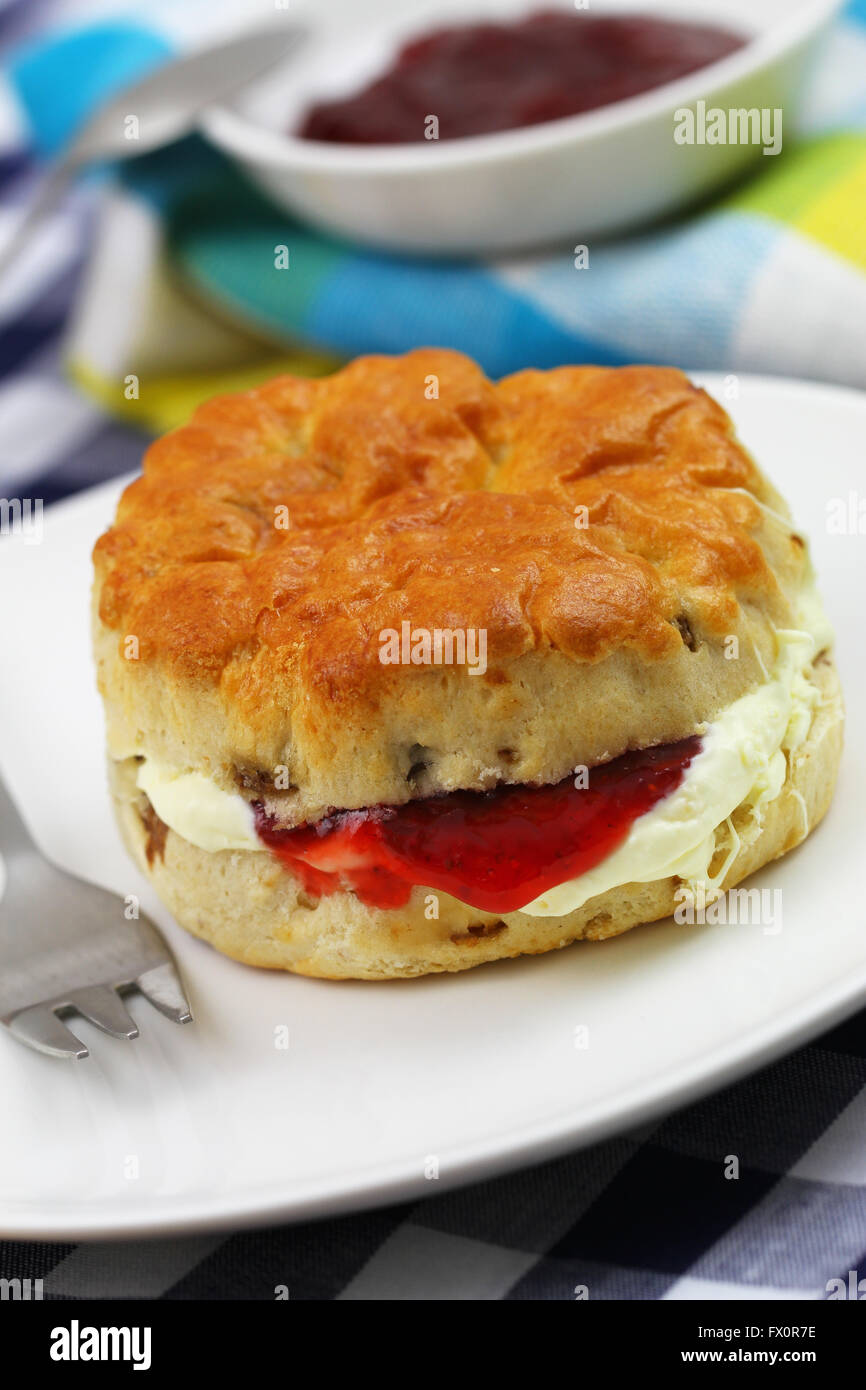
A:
[479,1069]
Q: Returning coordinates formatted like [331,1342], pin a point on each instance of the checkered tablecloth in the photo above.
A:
[647,1215]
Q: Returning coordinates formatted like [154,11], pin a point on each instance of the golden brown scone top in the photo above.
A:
[416,489]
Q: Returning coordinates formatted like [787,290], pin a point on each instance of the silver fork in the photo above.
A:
[67,947]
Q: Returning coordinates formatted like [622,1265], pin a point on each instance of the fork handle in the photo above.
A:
[14,835]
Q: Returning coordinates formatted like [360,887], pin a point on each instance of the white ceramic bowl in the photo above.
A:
[580,177]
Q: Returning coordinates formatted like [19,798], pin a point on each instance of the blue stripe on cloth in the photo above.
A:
[674,296]
[59,80]
[855,10]
[223,232]
[367,305]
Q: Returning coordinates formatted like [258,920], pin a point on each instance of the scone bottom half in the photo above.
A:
[405,670]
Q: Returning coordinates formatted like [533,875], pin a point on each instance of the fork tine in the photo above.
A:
[163,988]
[39,1027]
[103,1006]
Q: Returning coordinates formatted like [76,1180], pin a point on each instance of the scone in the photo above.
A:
[405,670]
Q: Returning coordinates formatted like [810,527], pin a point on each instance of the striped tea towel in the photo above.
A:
[770,278]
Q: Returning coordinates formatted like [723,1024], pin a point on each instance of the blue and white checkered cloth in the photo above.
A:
[642,1216]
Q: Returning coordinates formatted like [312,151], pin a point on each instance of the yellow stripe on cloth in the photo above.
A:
[838,217]
[163,402]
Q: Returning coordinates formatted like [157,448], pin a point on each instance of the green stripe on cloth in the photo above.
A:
[227,246]
[223,234]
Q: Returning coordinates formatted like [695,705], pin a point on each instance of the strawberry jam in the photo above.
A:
[495,850]
[478,78]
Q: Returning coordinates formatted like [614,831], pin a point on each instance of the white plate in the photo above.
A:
[580,177]
[479,1070]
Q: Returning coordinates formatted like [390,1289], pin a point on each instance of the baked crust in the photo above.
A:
[252,908]
[256,648]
